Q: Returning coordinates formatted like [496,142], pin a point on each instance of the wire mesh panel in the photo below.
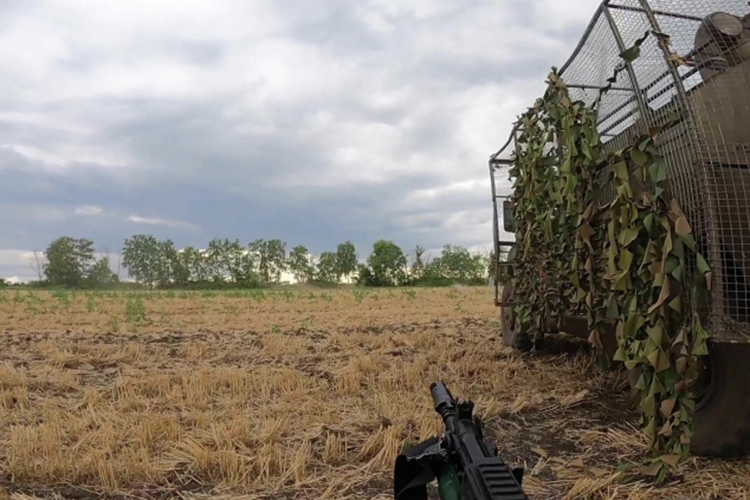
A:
[719,110]
[504,239]
[503,182]
[502,189]
[694,64]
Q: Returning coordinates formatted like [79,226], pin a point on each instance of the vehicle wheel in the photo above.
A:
[511,336]
[721,421]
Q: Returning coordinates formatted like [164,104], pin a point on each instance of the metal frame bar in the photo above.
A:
[637,93]
[649,98]
[672,67]
[642,105]
[496,243]
[496,162]
[498,265]
[493,158]
[645,89]
[604,6]
[615,124]
[495,231]
[657,12]
[594,87]
[620,107]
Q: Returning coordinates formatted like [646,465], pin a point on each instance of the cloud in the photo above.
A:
[88,210]
[310,122]
[156,221]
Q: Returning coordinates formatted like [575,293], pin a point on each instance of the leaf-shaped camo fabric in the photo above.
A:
[624,264]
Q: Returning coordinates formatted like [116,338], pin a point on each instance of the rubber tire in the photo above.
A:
[511,336]
[721,420]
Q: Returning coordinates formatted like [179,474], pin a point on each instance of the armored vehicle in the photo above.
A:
[697,66]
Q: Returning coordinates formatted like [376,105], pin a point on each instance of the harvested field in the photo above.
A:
[298,394]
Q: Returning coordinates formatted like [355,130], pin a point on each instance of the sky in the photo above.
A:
[314,122]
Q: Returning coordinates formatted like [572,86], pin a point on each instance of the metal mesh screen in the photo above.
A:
[503,182]
[502,191]
[699,71]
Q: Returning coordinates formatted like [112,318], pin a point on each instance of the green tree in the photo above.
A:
[229,260]
[276,259]
[327,268]
[217,260]
[69,261]
[418,267]
[386,264]
[192,266]
[346,259]
[300,265]
[179,269]
[141,256]
[166,262]
[242,268]
[100,274]
[271,257]
[365,276]
[480,269]
[259,249]
[457,264]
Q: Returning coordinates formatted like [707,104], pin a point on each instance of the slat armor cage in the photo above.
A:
[696,64]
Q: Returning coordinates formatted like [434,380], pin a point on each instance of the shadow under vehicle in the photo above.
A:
[699,71]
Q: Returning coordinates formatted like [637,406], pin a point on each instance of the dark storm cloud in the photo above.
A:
[314,122]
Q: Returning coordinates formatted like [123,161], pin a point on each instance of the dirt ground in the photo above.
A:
[299,394]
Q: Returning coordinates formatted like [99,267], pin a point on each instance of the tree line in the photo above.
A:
[153,263]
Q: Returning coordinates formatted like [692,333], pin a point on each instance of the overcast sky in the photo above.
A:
[312,121]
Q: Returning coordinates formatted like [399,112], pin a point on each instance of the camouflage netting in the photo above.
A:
[631,169]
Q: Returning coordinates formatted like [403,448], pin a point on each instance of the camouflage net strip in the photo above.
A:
[629,265]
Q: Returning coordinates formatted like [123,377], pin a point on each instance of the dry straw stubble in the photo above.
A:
[310,394]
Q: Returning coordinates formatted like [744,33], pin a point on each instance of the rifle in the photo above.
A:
[466,466]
